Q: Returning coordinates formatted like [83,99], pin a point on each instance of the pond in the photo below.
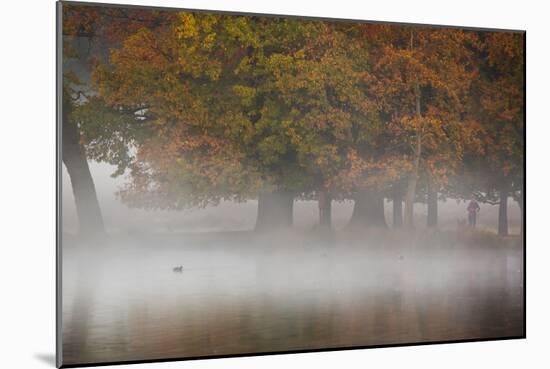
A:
[237,293]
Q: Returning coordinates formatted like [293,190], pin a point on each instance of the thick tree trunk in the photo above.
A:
[368,210]
[432,206]
[413,179]
[87,207]
[397,200]
[325,209]
[409,202]
[275,210]
[503,213]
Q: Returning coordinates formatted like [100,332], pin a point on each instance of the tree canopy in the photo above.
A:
[200,107]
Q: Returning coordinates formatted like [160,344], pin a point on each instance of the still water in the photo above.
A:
[243,293]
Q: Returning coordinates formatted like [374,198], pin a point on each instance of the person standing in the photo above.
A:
[473,209]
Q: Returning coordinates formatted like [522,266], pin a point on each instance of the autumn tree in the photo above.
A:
[73,152]
[86,30]
[325,86]
[280,96]
[191,78]
[421,77]
[499,109]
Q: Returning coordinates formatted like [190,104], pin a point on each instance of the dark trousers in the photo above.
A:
[472,219]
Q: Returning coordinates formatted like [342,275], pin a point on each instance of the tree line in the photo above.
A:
[197,108]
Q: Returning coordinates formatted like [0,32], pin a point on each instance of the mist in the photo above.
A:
[240,216]
[200,282]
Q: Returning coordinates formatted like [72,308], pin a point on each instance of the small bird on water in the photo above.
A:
[178,269]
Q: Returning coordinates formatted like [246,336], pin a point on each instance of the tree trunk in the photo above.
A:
[397,200]
[275,210]
[503,213]
[432,205]
[413,179]
[409,202]
[368,210]
[325,209]
[87,206]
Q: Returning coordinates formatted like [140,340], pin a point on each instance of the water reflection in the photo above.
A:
[242,293]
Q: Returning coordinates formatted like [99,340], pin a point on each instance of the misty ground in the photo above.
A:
[231,216]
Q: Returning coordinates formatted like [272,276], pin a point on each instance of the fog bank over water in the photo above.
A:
[200,282]
[240,292]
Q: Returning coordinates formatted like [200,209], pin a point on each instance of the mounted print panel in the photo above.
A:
[240,184]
